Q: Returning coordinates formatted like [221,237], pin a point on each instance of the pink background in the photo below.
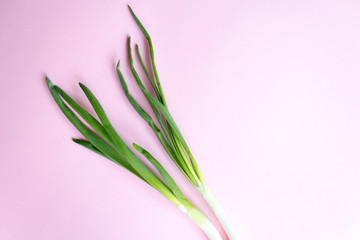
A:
[267,94]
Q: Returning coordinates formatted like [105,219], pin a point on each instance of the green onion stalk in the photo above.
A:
[170,135]
[102,139]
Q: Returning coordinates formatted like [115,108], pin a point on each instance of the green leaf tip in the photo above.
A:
[132,12]
[143,30]
[76,140]
[82,85]
[137,147]
[48,81]
[118,64]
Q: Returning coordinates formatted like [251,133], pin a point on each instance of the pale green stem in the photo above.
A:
[218,211]
[200,219]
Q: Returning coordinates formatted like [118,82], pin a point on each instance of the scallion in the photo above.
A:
[107,143]
[173,141]
[102,138]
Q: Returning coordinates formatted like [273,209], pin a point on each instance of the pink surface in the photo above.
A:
[265,92]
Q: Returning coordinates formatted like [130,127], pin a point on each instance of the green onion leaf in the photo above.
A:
[169,181]
[89,146]
[180,164]
[147,73]
[85,115]
[87,133]
[147,36]
[174,128]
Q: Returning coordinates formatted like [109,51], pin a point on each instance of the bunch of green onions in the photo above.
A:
[107,143]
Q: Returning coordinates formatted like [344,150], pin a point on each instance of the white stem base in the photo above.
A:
[201,220]
[219,212]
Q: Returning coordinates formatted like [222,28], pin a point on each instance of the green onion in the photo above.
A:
[173,141]
[102,138]
[107,143]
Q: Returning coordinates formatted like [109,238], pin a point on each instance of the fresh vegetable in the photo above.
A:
[102,138]
[107,143]
[171,138]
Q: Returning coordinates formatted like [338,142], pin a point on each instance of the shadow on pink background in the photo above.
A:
[266,94]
